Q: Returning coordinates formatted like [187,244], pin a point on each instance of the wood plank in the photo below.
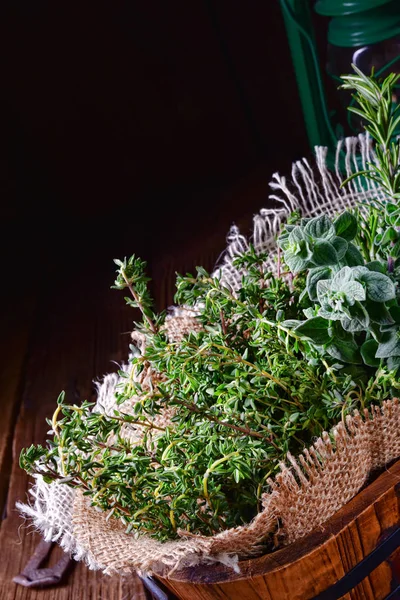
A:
[72,340]
[306,568]
[15,327]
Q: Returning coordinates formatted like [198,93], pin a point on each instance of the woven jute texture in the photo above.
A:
[309,488]
[305,493]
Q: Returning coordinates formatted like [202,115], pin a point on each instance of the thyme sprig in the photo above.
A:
[202,421]
[243,391]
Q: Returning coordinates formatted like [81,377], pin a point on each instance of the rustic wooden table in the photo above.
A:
[62,327]
[60,336]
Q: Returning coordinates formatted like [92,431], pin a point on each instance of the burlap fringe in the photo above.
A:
[313,190]
[308,490]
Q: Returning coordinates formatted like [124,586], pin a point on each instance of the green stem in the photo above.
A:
[138,302]
[329,370]
[210,470]
[249,364]
[245,430]
[54,425]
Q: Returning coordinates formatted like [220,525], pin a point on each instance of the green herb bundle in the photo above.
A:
[203,421]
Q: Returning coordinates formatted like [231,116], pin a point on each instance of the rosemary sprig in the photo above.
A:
[381,118]
[379,236]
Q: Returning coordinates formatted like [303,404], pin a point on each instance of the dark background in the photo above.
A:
[146,127]
[125,127]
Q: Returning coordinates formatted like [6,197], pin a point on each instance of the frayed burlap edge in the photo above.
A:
[306,492]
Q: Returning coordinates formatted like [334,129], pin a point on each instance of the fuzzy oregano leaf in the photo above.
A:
[379,313]
[390,345]
[353,256]
[346,351]
[316,329]
[358,320]
[340,246]
[346,226]
[338,295]
[379,287]
[368,352]
[393,364]
[324,254]
[296,251]
[296,262]
[315,275]
[320,228]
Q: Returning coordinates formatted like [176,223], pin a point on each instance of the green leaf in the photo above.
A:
[236,475]
[291,323]
[283,241]
[338,333]
[390,345]
[390,235]
[379,313]
[346,226]
[296,254]
[368,352]
[310,312]
[346,351]
[367,173]
[316,329]
[341,278]
[296,235]
[395,250]
[353,256]
[315,275]
[377,266]
[395,314]
[393,363]
[320,227]
[295,262]
[340,246]
[324,254]
[359,319]
[354,291]
[379,287]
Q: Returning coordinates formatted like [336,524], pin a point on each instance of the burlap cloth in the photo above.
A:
[308,490]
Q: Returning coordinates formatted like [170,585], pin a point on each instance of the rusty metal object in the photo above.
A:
[34,577]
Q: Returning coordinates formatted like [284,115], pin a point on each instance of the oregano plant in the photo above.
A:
[202,420]
[350,305]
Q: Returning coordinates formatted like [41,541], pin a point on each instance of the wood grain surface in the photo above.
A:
[69,328]
[62,327]
[59,340]
[64,333]
[308,567]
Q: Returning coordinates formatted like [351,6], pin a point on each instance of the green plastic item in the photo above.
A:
[355,23]
[338,8]
[365,28]
[300,33]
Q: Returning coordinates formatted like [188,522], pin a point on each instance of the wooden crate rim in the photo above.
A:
[312,543]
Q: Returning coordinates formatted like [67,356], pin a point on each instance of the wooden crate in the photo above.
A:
[355,556]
